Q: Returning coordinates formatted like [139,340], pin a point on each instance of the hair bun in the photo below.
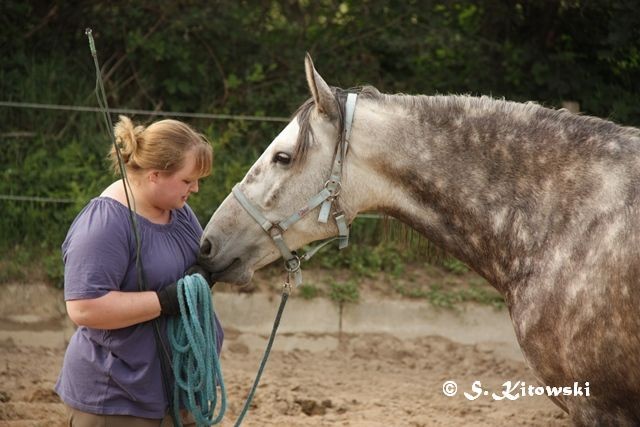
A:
[127,138]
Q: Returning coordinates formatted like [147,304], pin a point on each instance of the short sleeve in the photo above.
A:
[96,252]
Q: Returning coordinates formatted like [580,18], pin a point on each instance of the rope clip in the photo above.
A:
[286,287]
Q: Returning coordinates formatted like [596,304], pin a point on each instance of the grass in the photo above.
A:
[31,263]
[344,292]
[445,284]
[449,296]
[309,291]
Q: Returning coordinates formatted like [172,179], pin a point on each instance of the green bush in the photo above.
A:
[344,292]
[447,296]
[234,57]
[308,291]
[454,266]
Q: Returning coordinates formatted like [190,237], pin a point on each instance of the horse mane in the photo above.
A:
[303,140]
[423,108]
[441,109]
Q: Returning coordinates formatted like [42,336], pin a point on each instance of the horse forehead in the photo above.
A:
[287,137]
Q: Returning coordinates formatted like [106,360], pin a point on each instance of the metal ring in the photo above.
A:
[275,230]
[334,193]
[296,264]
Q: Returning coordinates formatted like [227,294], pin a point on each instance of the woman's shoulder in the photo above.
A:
[115,191]
[103,208]
[104,222]
[102,215]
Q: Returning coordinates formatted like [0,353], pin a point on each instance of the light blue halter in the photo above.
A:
[324,199]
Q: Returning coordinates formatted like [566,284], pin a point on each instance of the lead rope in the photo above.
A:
[163,353]
[283,301]
[196,364]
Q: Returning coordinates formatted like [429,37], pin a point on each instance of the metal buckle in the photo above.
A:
[334,193]
[292,268]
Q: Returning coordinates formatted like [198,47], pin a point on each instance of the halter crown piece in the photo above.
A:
[324,199]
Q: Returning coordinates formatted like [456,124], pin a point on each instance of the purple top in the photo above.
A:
[117,372]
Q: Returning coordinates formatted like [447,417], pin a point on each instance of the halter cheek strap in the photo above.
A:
[324,198]
[334,182]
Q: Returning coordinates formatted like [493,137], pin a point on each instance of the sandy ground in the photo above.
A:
[367,380]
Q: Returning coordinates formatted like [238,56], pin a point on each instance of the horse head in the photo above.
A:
[288,179]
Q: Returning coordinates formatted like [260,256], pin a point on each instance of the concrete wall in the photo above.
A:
[34,315]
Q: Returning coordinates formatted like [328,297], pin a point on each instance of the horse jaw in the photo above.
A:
[234,257]
[218,246]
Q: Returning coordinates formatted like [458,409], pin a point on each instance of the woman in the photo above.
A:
[111,373]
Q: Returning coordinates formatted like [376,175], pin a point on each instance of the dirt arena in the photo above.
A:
[365,379]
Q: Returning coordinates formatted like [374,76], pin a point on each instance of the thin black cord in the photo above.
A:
[165,359]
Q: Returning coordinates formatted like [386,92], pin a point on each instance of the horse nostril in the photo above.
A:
[205,248]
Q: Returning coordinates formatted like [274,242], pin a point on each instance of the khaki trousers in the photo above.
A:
[76,418]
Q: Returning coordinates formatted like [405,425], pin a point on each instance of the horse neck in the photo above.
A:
[458,170]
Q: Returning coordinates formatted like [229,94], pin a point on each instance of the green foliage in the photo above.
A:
[365,260]
[376,245]
[54,268]
[31,263]
[448,297]
[247,58]
[454,266]
[13,270]
[308,291]
[344,292]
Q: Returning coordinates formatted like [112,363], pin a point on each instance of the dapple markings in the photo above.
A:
[542,203]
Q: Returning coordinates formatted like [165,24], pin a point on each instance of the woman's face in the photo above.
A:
[171,190]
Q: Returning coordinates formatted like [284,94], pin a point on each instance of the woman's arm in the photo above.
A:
[114,310]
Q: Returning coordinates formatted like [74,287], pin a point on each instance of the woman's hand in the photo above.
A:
[198,269]
[168,296]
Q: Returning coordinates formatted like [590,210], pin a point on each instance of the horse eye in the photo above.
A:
[282,157]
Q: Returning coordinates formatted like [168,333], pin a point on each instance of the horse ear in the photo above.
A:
[322,95]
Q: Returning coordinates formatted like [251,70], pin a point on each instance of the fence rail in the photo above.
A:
[54,200]
[34,199]
[59,107]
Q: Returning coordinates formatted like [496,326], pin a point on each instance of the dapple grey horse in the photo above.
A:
[542,203]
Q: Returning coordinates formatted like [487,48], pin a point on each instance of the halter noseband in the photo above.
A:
[324,199]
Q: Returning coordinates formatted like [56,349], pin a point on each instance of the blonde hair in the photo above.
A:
[161,145]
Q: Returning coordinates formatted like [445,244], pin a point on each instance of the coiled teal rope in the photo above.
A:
[196,366]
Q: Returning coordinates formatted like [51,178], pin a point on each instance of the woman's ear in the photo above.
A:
[153,176]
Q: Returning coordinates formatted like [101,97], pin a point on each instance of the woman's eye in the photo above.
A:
[283,158]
